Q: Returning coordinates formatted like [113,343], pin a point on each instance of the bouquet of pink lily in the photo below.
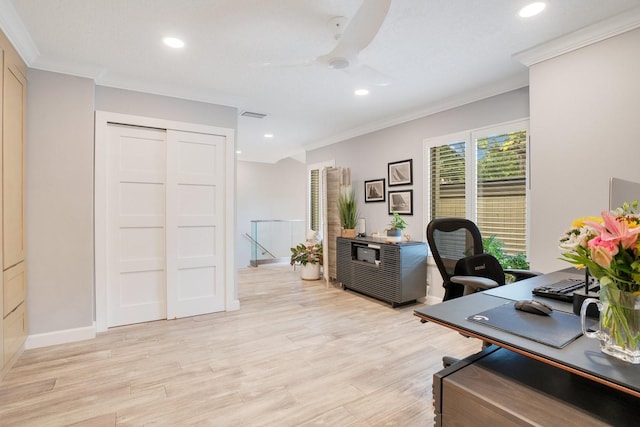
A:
[608,246]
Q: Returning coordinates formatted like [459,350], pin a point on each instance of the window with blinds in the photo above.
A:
[314,199]
[485,181]
[501,165]
[448,180]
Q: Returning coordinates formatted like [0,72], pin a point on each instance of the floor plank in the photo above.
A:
[296,353]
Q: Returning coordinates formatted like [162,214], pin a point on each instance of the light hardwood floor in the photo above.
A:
[296,353]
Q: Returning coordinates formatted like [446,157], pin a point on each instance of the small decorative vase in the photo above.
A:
[619,326]
[310,271]
[349,232]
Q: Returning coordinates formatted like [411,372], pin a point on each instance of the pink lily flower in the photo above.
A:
[615,230]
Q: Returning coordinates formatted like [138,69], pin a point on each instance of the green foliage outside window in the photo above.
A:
[494,247]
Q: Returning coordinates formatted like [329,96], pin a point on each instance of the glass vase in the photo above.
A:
[619,326]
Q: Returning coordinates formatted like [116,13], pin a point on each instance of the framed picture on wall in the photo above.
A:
[401,173]
[374,190]
[401,202]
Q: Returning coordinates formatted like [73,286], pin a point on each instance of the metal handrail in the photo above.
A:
[278,235]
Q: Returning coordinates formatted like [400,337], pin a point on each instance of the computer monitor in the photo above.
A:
[621,191]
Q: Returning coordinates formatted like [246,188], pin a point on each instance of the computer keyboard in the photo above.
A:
[562,290]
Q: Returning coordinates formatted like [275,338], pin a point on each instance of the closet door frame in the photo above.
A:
[102,121]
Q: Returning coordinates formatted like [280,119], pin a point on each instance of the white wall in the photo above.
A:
[267,192]
[585,128]
[367,156]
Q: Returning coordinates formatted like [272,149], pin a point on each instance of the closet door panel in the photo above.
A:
[13,167]
[15,288]
[136,273]
[195,218]
[15,331]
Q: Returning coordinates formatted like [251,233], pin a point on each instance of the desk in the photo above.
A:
[498,387]
[582,357]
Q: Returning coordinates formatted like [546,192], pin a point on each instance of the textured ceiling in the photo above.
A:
[258,55]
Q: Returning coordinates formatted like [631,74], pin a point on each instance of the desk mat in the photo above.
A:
[556,330]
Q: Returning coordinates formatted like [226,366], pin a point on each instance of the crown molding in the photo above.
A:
[17,33]
[591,34]
[514,82]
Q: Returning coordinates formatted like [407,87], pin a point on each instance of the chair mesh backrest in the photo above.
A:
[451,239]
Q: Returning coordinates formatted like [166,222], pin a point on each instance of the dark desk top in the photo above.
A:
[582,357]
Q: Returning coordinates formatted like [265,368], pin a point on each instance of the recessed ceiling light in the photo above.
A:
[268,135]
[238,151]
[173,42]
[362,92]
[532,9]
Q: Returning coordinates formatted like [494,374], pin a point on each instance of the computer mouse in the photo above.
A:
[533,306]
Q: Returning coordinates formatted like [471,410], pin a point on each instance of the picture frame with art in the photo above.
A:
[374,190]
[401,201]
[400,173]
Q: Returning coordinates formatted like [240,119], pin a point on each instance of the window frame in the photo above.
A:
[470,137]
[309,208]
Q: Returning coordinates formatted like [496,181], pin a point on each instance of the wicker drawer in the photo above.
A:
[15,288]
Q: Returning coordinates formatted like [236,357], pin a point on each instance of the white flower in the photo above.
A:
[576,238]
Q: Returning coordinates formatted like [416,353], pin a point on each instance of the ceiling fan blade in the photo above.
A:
[361,30]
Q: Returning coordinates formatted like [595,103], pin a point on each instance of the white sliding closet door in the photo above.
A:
[195,221]
[165,224]
[136,226]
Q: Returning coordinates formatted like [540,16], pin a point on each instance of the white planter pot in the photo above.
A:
[394,236]
[310,271]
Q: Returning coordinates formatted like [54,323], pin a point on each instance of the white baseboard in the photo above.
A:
[60,337]
[234,305]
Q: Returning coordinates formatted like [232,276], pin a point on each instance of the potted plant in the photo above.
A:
[396,225]
[348,211]
[309,256]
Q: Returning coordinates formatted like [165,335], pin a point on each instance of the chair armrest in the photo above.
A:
[522,274]
[474,283]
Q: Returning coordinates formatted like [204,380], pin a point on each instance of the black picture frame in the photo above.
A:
[374,190]
[401,201]
[400,173]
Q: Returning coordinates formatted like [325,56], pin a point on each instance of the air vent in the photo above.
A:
[253,115]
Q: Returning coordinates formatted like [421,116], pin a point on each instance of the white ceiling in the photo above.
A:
[243,53]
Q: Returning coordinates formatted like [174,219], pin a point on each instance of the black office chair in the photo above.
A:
[456,246]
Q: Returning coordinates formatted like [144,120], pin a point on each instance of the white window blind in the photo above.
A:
[501,165]
[314,198]
[448,180]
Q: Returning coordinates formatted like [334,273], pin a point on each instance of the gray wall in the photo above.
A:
[59,179]
[585,122]
[162,107]
[59,201]
[368,155]
[266,192]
